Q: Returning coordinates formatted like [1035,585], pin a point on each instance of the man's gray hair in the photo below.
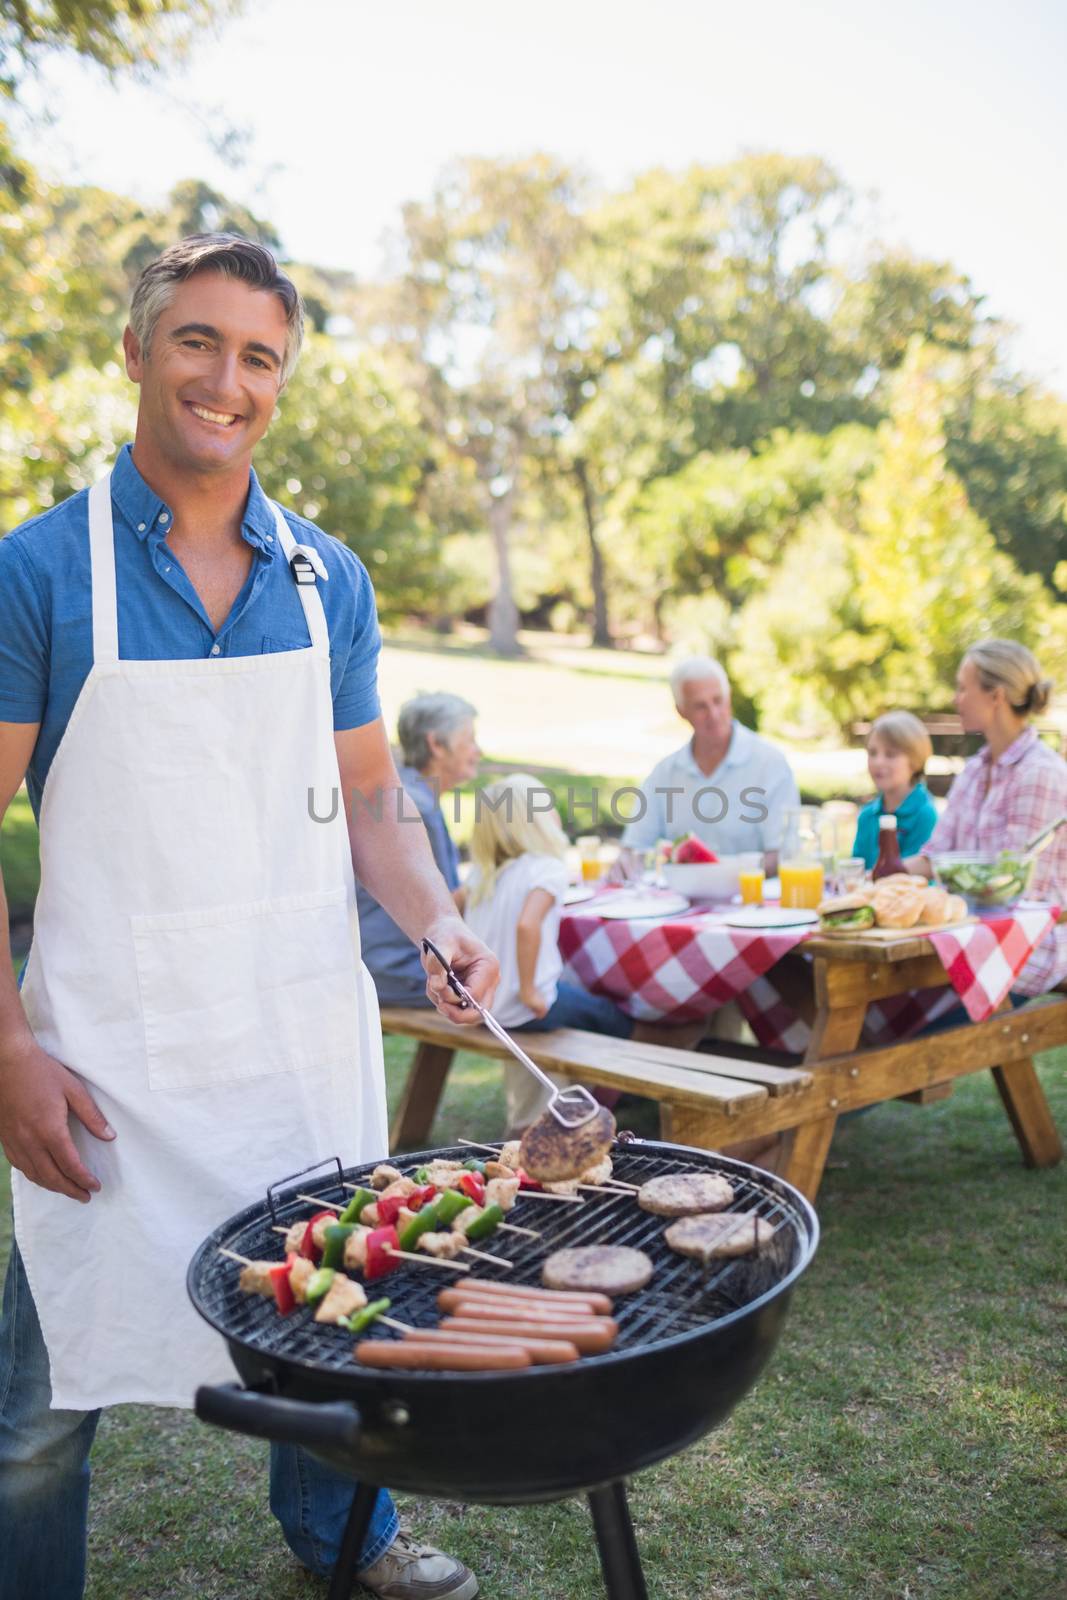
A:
[440,714]
[694,669]
[233,257]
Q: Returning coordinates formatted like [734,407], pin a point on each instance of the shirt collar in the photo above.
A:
[1015,751]
[150,516]
[911,802]
[737,751]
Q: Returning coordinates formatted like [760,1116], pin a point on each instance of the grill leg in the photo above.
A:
[343,1580]
[620,1559]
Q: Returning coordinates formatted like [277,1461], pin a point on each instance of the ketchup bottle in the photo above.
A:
[889,859]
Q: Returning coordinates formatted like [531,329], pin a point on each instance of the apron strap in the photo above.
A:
[102,570]
[308,590]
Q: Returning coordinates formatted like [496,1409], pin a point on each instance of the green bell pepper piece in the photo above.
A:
[361,1198]
[318,1284]
[474,1165]
[422,1176]
[449,1205]
[337,1233]
[424,1221]
[370,1313]
[486,1224]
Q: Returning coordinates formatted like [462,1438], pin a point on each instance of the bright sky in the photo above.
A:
[951,114]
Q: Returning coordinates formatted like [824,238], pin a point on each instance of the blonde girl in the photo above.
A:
[898,749]
[515,897]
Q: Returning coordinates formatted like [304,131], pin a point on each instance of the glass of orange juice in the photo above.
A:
[589,856]
[802,883]
[750,878]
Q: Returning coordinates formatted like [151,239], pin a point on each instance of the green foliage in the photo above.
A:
[346,450]
[130,35]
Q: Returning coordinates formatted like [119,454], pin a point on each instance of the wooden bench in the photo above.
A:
[712,1093]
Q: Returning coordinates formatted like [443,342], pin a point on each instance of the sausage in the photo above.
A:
[591,1338]
[493,1312]
[590,1299]
[424,1355]
[543,1352]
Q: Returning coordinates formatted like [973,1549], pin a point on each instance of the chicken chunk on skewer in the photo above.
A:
[444,1246]
[340,1300]
[299,1277]
[255,1278]
[502,1192]
[383,1175]
[355,1253]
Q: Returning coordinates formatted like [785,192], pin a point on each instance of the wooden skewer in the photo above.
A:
[323,1205]
[233,1256]
[608,1188]
[472,1144]
[279,1230]
[483,1255]
[540,1194]
[513,1227]
[391,1322]
[424,1261]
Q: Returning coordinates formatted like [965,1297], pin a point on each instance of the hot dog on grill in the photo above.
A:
[425,1355]
[452,1300]
[591,1338]
[543,1352]
[491,1315]
[561,1297]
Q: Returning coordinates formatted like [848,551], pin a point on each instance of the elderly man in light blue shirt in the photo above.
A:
[726,785]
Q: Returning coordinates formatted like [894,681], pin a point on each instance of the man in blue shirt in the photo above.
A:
[181,667]
[438,753]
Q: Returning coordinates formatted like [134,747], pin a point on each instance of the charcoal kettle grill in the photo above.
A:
[690,1345]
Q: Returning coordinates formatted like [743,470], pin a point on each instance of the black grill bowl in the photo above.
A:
[690,1345]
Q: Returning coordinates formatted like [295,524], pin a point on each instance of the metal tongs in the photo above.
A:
[575,1098]
[1038,843]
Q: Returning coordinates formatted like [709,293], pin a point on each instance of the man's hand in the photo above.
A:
[474,965]
[37,1096]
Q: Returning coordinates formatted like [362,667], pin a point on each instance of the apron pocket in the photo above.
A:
[247,991]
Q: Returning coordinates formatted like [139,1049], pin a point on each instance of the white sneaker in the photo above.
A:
[412,1571]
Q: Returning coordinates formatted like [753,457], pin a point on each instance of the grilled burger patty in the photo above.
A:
[715,1237]
[551,1153]
[609,1268]
[685,1194]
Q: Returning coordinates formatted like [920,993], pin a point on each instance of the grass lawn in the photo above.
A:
[907,1440]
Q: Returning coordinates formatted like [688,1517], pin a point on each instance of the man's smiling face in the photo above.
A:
[211,376]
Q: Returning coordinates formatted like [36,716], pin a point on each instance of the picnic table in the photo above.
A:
[851,1007]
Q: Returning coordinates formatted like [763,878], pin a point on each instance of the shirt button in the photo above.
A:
[215,649]
[166,568]
[140,527]
[270,538]
[164,518]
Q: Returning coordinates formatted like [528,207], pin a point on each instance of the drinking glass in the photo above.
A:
[589,856]
[750,878]
[850,874]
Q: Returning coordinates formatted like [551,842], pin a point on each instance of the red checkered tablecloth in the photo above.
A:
[680,968]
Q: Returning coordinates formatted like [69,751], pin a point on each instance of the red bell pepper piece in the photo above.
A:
[388,1208]
[525,1181]
[379,1261]
[472,1184]
[421,1197]
[308,1248]
[279,1282]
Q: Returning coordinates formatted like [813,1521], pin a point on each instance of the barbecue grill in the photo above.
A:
[689,1346]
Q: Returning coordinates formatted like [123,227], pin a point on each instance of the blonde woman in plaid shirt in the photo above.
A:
[1011,789]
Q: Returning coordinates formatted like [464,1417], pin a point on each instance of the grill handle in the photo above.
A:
[335,1424]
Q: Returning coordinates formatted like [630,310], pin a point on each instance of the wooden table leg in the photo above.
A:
[422,1093]
[835,1030]
[1028,1111]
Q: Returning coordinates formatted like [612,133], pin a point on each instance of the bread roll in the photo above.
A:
[934,907]
[898,905]
[956,910]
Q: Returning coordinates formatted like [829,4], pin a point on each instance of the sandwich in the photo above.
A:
[846,913]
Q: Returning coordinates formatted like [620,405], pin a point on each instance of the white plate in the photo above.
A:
[578,892]
[771,917]
[628,907]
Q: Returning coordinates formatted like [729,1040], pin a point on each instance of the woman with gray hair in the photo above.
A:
[438,751]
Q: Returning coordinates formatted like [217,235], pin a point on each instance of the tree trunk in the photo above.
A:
[601,630]
[503,612]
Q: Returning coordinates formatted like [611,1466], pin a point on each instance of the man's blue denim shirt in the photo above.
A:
[46,608]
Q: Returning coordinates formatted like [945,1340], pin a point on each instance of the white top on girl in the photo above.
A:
[495,920]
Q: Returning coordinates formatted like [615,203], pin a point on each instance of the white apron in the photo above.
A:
[195,960]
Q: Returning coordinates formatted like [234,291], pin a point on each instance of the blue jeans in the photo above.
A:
[44,1476]
[577,1008]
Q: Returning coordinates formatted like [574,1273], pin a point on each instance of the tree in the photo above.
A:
[119,35]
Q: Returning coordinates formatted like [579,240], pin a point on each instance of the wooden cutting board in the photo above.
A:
[884,935]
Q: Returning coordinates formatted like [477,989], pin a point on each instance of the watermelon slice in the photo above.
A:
[691,850]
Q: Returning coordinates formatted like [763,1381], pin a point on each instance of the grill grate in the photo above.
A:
[681,1297]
